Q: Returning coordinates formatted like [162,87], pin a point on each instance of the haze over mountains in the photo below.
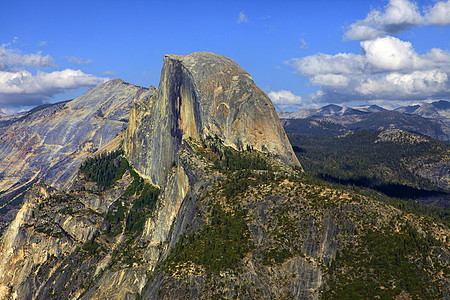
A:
[432,119]
[439,110]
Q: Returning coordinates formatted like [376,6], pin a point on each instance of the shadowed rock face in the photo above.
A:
[202,94]
[65,245]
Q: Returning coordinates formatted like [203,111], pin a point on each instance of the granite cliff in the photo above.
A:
[203,197]
[202,94]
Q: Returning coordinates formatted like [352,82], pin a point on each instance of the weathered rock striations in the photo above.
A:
[202,94]
[51,142]
[225,224]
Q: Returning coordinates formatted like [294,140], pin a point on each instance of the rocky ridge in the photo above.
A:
[51,141]
[432,119]
[200,204]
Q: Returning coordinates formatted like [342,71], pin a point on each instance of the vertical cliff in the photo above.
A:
[222,223]
[202,94]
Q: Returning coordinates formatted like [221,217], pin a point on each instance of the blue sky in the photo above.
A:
[301,53]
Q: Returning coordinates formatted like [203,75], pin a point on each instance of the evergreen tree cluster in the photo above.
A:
[359,159]
[226,158]
[106,168]
[143,205]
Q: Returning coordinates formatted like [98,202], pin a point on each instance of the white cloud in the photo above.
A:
[109,73]
[14,57]
[332,80]
[286,100]
[379,55]
[387,69]
[341,63]
[438,56]
[392,54]
[42,43]
[284,97]
[242,18]
[415,85]
[20,87]
[439,14]
[78,61]
[398,15]
[23,88]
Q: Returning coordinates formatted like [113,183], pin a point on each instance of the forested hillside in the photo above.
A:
[394,162]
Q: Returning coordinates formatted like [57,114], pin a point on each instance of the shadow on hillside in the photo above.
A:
[404,192]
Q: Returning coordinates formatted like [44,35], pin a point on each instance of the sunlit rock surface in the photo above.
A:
[49,143]
[202,94]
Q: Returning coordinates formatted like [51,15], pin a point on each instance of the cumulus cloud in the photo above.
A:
[392,54]
[387,69]
[333,80]
[398,15]
[284,97]
[14,57]
[286,100]
[416,85]
[20,87]
[78,61]
[439,14]
[242,18]
[341,63]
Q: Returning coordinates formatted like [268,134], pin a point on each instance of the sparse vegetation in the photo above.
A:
[217,246]
[137,202]
[384,265]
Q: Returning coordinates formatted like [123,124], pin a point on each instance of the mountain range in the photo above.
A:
[193,190]
[438,110]
[431,119]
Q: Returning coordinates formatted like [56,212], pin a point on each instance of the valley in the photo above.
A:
[198,191]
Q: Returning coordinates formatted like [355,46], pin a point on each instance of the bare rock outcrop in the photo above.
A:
[53,141]
[50,142]
[202,94]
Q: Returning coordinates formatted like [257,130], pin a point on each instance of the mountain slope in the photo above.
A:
[51,141]
[199,204]
[432,119]
[435,110]
[393,161]
[250,230]
[383,120]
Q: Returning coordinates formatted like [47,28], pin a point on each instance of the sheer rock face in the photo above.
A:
[202,94]
[51,142]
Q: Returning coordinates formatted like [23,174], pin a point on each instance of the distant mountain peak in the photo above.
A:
[441,104]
